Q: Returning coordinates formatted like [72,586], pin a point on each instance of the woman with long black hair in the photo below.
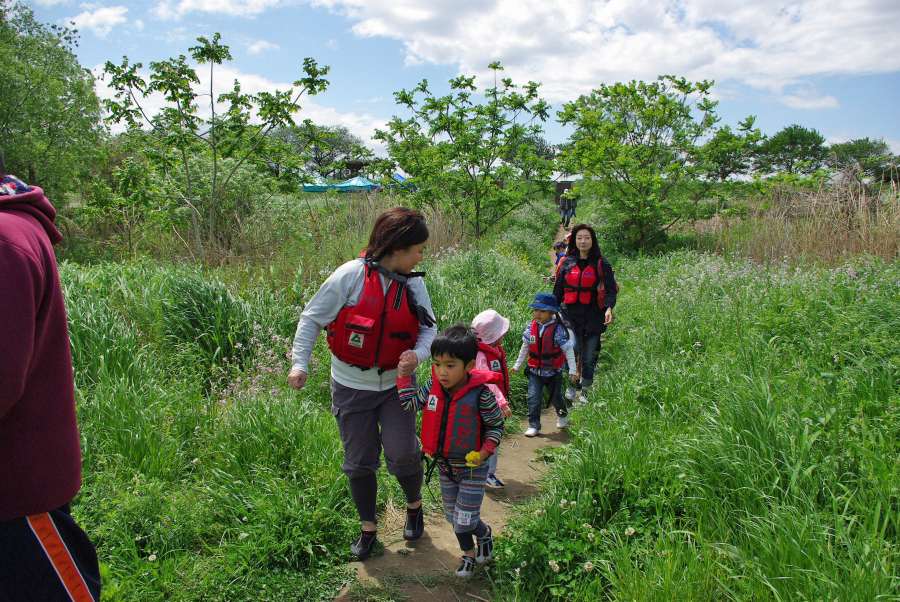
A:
[586,289]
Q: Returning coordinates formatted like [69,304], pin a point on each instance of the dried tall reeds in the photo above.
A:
[844,216]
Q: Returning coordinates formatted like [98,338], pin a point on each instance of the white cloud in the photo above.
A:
[809,102]
[260,45]
[168,10]
[572,46]
[139,25]
[49,3]
[99,19]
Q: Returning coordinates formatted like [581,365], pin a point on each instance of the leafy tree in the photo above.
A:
[873,157]
[795,149]
[50,122]
[170,138]
[636,146]
[468,157]
[730,153]
[322,149]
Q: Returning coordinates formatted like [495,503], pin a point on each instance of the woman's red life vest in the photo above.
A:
[378,329]
[496,359]
[579,285]
[542,355]
[451,425]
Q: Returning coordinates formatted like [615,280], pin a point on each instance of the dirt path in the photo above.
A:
[423,570]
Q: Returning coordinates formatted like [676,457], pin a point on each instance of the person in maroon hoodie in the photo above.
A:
[44,555]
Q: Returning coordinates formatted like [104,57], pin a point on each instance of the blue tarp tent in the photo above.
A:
[357,184]
[400,180]
[319,184]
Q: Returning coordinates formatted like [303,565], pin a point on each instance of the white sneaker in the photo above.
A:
[570,393]
[562,421]
[582,399]
[531,432]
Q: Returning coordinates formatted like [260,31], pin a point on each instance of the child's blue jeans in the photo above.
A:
[536,386]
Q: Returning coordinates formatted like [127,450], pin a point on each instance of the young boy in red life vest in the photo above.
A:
[548,344]
[461,427]
[490,328]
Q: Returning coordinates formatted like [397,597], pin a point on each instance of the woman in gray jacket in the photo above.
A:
[378,318]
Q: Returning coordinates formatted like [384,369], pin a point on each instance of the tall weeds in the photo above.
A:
[839,218]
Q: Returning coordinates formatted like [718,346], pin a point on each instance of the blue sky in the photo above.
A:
[829,65]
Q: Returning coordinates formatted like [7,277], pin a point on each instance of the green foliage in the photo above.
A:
[872,157]
[204,313]
[477,160]
[795,149]
[194,492]
[176,135]
[636,145]
[50,123]
[322,150]
[751,456]
[730,153]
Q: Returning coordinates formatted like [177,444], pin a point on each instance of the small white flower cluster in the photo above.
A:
[554,566]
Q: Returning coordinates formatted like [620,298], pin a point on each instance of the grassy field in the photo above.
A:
[741,442]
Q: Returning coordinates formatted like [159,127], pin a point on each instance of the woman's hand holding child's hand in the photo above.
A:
[407,364]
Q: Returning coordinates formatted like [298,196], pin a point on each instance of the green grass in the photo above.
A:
[741,444]
[745,428]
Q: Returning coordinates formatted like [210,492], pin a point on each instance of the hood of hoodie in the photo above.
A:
[34,203]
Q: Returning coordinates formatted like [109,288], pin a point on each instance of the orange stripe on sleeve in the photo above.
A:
[45,530]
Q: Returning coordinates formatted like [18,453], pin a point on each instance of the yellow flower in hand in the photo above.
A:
[473,459]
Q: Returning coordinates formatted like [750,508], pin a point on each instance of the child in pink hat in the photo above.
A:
[490,327]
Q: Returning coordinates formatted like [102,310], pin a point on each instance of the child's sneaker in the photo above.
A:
[485,547]
[570,393]
[531,431]
[467,567]
[363,545]
[582,399]
[561,422]
[493,481]
[415,524]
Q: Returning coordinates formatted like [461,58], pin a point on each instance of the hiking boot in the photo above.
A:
[561,422]
[363,545]
[467,567]
[485,547]
[531,431]
[493,481]
[415,524]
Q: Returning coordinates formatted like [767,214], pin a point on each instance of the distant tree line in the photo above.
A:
[650,152]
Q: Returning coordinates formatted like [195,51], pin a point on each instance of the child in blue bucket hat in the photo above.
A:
[549,346]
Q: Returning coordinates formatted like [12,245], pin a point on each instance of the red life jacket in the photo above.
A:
[451,425]
[542,355]
[496,359]
[378,329]
[579,286]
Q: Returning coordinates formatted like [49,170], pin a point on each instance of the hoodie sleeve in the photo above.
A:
[23,278]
